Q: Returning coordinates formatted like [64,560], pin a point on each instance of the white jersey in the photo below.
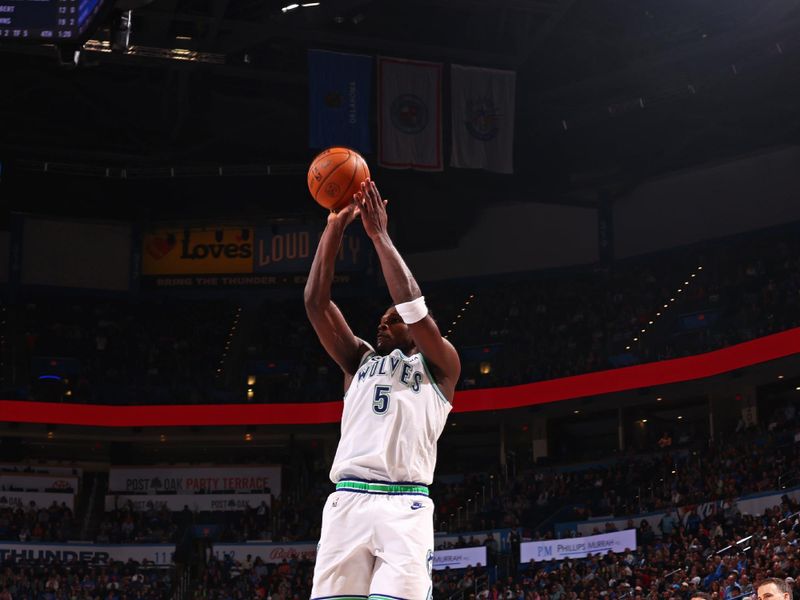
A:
[393,415]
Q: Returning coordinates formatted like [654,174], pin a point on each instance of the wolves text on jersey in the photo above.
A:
[397,367]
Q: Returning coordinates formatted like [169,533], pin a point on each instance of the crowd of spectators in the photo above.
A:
[40,579]
[32,523]
[583,321]
[160,525]
[725,555]
[116,351]
[253,579]
[509,332]
[621,486]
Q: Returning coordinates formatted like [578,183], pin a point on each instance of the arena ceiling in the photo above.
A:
[609,92]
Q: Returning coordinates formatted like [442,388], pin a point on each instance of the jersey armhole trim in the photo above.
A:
[368,353]
[433,381]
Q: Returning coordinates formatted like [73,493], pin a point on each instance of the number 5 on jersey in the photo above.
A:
[380,403]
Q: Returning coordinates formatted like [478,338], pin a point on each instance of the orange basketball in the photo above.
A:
[335,175]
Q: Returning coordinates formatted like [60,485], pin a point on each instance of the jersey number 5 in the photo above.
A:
[380,403]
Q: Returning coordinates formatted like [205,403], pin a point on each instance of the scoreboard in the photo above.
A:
[55,21]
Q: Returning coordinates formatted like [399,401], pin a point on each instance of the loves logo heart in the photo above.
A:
[158,247]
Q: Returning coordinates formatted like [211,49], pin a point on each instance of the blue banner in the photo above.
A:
[340,88]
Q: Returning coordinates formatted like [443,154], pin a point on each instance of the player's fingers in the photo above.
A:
[375,191]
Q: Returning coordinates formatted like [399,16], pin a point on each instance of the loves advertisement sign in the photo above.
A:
[198,251]
[277,255]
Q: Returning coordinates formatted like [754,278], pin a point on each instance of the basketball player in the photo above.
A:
[377,527]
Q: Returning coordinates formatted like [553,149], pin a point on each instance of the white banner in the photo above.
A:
[459,558]
[188,480]
[41,499]
[269,553]
[36,482]
[410,120]
[579,547]
[16,468]
[195,502]
[483,118]
[160,554]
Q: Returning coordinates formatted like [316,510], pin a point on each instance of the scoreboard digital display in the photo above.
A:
[46,20]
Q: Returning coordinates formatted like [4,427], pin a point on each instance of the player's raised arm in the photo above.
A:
[333,331]
[406,294]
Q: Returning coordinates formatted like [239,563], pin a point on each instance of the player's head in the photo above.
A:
[393,333]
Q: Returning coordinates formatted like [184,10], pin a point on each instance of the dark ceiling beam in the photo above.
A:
[543,32]
[245,35]
[535,6]
[772,12]
[679,56]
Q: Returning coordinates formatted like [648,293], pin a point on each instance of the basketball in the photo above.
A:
[335,175]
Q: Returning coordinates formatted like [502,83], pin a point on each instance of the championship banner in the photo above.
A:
[290,249]
[40,499]
[579,547]
[159,554]
[33,482]
[459,558]
[340,88]
[198,251]
[483,118]
[410,120]
[195,502]
[269,553]
[190,480]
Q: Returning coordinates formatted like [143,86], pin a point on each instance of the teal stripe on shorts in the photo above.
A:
[380,488]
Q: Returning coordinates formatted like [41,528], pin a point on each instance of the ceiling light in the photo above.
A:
[680,416]
[308,4]
[289,7]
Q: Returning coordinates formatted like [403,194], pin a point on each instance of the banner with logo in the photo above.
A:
[279,255]
[579,547]
[340,88]
[190,480]
[37,483]
[40,499]
[291,248]
[410,119]
[198,251]
[268,552]
[160,554]
[195,502]
[459,558]
[483,118]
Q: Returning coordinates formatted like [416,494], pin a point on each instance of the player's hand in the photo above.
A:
[345,216]
[373,209]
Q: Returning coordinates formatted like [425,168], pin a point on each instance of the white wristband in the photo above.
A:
[413,311]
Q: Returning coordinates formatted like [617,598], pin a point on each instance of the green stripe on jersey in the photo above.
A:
[381,488]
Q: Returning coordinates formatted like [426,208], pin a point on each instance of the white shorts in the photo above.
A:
[376,543]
